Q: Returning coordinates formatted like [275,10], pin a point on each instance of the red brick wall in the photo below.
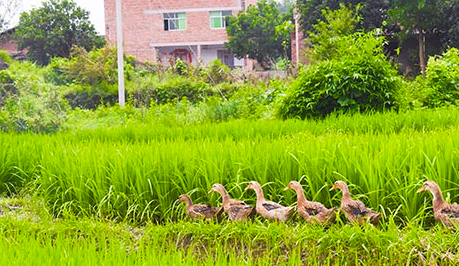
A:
[143,23]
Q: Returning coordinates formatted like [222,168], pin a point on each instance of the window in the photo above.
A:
[218,19]
[174,21]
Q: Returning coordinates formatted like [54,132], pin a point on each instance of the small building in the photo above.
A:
[164,30]
[9,44]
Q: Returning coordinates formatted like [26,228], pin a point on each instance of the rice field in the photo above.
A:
[93,181]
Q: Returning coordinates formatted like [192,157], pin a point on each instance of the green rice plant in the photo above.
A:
[76,241]
[136,173]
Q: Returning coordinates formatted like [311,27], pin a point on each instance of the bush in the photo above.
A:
[28,103]
[218,72]
[87,97]
[151,90]
[363,80]
[442,78]
[7,87]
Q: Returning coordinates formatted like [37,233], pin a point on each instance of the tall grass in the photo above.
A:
[136,174]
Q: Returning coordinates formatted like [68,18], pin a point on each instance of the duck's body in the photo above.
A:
[268,209]
[448,214]
[236,210]
[312,212]
[354,210]
[199,211]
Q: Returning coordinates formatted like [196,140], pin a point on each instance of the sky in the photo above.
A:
[94,7]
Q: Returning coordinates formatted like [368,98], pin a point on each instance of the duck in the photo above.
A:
[199,211]
[312,212]
[448,214]
[236,210]
[268,209]
[354,210]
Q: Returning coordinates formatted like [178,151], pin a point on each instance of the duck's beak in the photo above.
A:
[333,187]
[287,188]
[210,191]
[248,187]
[423,188]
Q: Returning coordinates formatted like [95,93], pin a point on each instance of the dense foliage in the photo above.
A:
[442,78]
[328,40]
[433,24]
[52,30]
[27,102]
[350,71]
[420,18]
[373,12]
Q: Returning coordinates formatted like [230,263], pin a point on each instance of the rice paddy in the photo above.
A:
[109,195]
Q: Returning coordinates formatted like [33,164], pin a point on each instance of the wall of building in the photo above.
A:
[143,24]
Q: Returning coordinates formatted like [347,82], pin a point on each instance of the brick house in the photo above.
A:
[8,43]
[161,30]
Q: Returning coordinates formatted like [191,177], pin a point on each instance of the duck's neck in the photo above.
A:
[346,194]
[225,196]
[438,200]
[188,202]
[260,196]
[300,198]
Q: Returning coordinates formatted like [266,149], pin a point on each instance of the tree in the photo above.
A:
[52,30]
[451,39]
[326,40]
[373,12]
[253,33]
[420,17]
[8,9]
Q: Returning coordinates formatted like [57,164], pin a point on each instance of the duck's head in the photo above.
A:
[253,185]
[293,185]
[217,188]
[339,184]
[184,198]
[430,186]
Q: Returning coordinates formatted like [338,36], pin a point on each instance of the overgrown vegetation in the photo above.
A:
[349,71]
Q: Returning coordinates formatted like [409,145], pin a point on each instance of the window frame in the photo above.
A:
[221,17]
[174,21]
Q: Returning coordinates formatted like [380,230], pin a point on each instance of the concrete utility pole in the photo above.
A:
[119,38]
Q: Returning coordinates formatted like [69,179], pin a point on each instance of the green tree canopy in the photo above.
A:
[52,30]
[253,33]
[421,17]
[373,11]
[326,40]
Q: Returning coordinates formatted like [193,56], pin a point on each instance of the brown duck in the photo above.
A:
[236,210]
[199,211]
[354,210]
[446,213]
[269,209]
[313,212]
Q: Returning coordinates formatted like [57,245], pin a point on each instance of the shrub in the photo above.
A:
[218,72]
[29,104]
[151,90]
[442,78]
[87,97]
[5,57]
[362,80]
[7,87]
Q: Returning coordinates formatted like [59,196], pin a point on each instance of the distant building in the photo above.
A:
[8,43]
[163,30]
